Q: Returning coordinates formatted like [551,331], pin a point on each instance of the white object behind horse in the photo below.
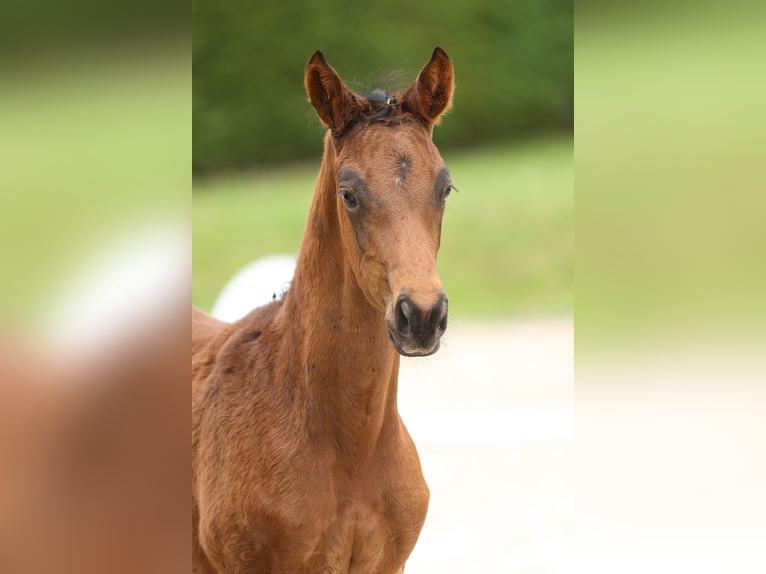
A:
[254,285]
[124,282]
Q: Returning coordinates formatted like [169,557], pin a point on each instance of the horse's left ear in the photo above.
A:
[337,106]
[430,95]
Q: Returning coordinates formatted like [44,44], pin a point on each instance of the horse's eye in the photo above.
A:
[348,198]
[449,189]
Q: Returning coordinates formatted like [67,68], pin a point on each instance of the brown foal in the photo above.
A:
[300,461]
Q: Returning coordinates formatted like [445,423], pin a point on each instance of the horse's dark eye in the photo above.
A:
[348,198]
[447,191]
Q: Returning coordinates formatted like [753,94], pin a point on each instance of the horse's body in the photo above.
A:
[300,460]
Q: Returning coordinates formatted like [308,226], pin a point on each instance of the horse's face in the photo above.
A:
[391,186]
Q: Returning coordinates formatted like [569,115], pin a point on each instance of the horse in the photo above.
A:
[300,460]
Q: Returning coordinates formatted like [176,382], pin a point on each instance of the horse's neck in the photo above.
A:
[342,349]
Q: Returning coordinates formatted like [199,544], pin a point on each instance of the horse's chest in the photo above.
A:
[362,530]
[357,540]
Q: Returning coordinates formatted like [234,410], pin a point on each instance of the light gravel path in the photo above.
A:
[492,416]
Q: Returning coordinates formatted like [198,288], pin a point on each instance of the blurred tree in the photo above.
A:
[513,62]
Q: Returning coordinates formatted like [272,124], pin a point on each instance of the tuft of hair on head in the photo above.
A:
[377,97]
[382,102]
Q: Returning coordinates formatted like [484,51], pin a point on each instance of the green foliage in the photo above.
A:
[507,239]
[513,64]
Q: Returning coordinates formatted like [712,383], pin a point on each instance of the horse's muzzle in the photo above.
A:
[416,331]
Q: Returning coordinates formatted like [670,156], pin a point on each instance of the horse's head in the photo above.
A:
[391,185]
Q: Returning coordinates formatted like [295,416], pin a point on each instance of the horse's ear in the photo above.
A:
[430,95]
[337,106]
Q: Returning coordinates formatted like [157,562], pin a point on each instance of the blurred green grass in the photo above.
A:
[670,176]
[507,238]
[87,149]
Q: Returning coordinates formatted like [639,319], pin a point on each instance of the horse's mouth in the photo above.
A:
[410,351]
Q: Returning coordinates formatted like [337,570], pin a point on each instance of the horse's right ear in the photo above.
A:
[337,106]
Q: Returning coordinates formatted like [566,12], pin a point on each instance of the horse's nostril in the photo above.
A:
[439,314]
[403,313]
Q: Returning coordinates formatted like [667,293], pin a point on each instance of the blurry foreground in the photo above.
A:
[671,321]
[95,108]
[94,454]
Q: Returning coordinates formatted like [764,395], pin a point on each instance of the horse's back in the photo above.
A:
[207,329]
[204,329]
